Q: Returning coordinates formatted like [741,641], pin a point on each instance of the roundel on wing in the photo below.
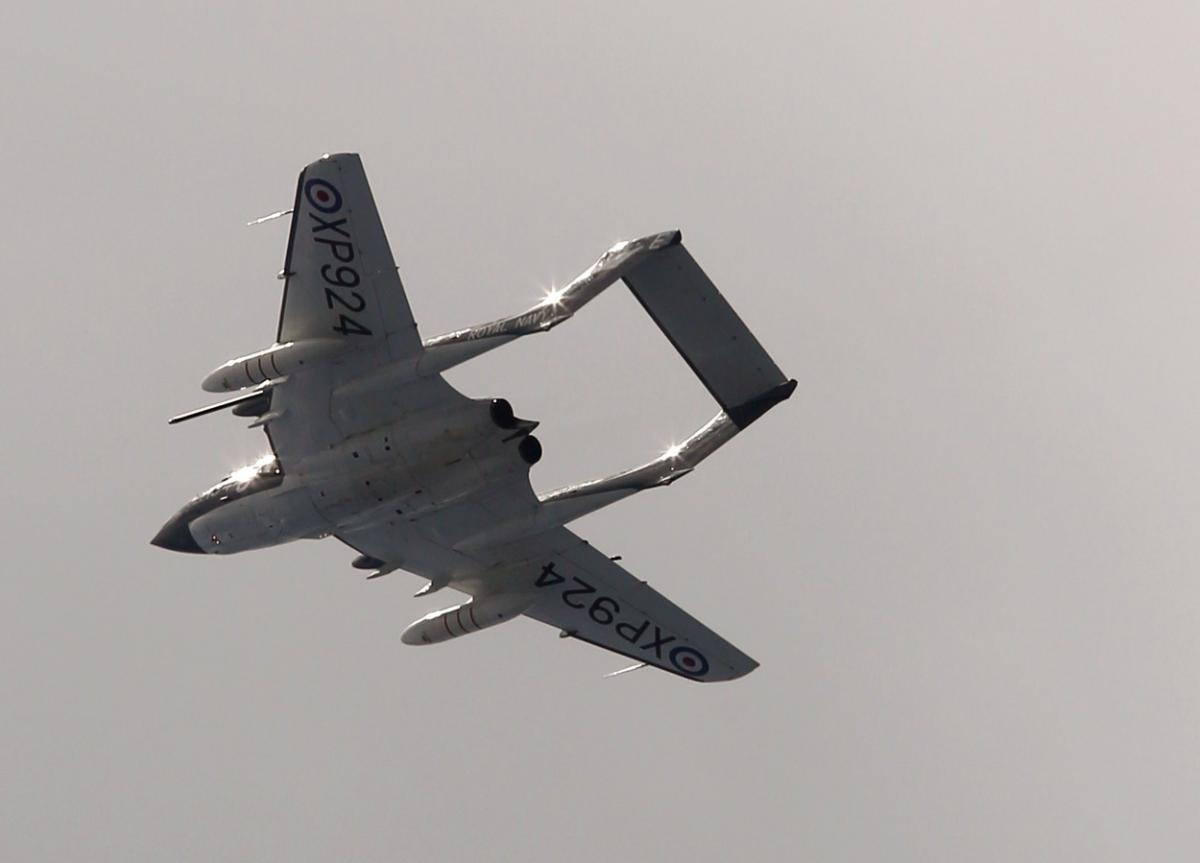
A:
[323,195]
[689,661]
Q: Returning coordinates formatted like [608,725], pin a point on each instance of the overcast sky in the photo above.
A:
[965,552]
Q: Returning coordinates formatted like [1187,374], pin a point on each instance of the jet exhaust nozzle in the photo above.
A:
[502,413]
[530,450]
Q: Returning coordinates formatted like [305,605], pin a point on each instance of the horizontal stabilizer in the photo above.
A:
[708,334]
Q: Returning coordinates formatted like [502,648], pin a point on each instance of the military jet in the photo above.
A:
[369,444]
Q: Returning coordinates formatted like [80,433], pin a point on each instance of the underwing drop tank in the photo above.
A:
[275,362]
[471,616]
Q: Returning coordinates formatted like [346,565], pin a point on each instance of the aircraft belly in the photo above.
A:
[411,468]
[403,545]
[350,486]
[439,543]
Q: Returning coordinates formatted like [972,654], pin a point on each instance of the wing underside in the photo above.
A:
[340,277]
[589,596]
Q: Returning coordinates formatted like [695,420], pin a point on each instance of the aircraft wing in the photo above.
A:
[340,278]
[588,596]
[341,285]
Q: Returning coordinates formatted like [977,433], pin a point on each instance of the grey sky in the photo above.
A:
[965,552]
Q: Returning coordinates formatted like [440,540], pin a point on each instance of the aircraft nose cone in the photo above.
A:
[175,536]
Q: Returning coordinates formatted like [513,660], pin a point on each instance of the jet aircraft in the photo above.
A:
[368,442]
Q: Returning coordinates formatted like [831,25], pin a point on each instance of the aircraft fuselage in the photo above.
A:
[432,466]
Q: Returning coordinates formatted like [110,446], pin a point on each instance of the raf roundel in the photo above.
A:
[690,661]
[323,195]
